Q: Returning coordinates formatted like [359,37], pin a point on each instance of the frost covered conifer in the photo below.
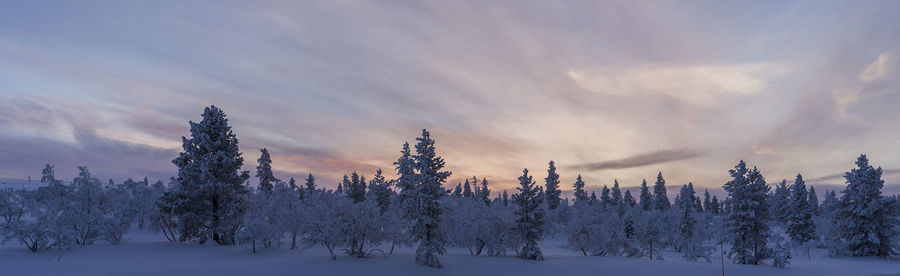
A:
[660,200]
[552,192]
[628,200]
[267,179]
[645,197]
[580,194]
[813,201]
[208,196]
[529,217]
[429,189]
[780,200]
[864,220]
[310,184]
[747,223]
[484,192]
[800,225]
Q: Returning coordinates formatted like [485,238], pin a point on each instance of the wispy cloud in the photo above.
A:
[645,159]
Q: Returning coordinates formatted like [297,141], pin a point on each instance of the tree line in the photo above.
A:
[208,200]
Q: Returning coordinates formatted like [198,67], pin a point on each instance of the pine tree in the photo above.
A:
[813,203]
[428,192]
[580,194]
[552,191]
[458,191]
[660,200]
[405,166]
[706,201]
[310,184]
[864,219]
[467,189]
[646,199]
[604,197]
[615,196]
[529,217]
[628,200]
[747,221]
[780,202]
[209,193]
[380,189]
[267,179]
[593,200]
[355,187]
[800,225]
[485,192]
[715,206]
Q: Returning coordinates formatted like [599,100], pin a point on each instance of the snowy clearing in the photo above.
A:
[145,254]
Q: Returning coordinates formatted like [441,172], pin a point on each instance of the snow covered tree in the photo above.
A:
[257,221]
[428,192]
[529,217]
[267,179]
[660,200]
[406,166]
[645,197]
[467,189]
[310,184]
[865,221]
[813,201]
[604,197]
[484,193]
[691,243]
[800,225]
[552,192]
[88,204]
[380,190]
[323,222]
[355,187]
[628,200]
[747,222]
[780,200]
[580,194]
[208,196]
[615,198]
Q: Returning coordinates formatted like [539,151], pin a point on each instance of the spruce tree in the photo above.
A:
[428,192]
[780,202]
[467,190]
[209,193]
[580,194]
[864,219]
[813,203]
[628,200]
[800,225]
[747,223]
[552,192]
[660,200]
[529,217]
[310,184]
[458,191]
[615,195]
[485,192]
[645,197]
[604,197]
[267,179]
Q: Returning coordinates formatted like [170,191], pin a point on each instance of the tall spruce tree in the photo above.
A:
[485,192]
[267,179]
[310,184]
[429,189]
[813,203]
[552,192]
[645,197]
[529,217]
[747,223]
[865,220]
[800,225]
[208,195]
[580,194]
[660,200]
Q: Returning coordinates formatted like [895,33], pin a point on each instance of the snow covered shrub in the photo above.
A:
[323,220]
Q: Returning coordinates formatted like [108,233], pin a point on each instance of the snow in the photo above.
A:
[148,254]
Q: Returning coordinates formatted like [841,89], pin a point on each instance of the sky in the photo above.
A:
[611,90]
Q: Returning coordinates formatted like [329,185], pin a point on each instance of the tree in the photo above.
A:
[209,192]
[405,166]
[660,200]
[552,191]
[580,194]
[380,190]
[267,179]
[628,200]
[800,216]
[355,187]
[87,210]
[865,221]
[780,201]
[428,192]
[485,192]
[747,221]
[467,189]
[529,217]
[645,197]
[615,198]
[310,183]
[813,202]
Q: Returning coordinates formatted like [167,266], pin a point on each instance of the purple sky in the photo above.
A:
[607,89]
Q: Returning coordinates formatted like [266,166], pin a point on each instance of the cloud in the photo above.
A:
[877,69]
[656,157]
[691,83]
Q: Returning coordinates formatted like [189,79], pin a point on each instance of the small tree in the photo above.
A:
[530,217]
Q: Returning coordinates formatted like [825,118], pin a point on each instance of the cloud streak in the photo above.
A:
[640,160]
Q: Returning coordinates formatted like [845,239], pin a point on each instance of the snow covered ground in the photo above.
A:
[146,254]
